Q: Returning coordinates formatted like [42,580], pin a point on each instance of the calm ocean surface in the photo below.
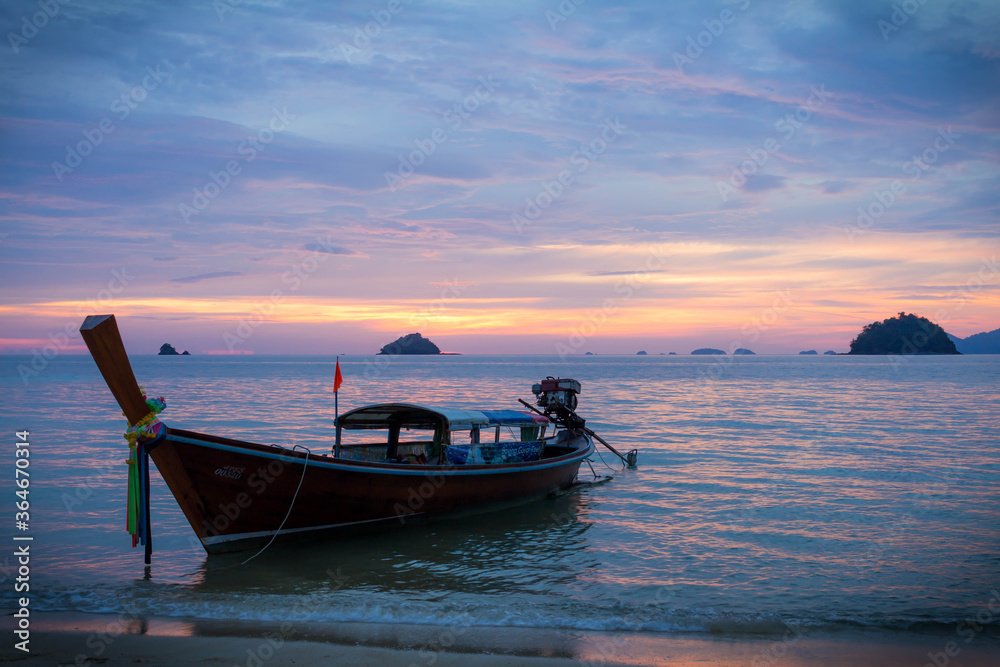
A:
[818,493]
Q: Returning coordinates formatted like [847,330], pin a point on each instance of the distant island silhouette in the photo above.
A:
[168,350]
[707,350]
[809,352]
[641,352]
[743,350]
[412,343]
[987,342]
[903,334]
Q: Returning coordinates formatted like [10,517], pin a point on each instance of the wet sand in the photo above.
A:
[85,639]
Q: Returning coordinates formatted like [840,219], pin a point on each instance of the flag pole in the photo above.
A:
[337,379]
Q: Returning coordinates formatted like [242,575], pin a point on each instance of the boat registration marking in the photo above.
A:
[232,472]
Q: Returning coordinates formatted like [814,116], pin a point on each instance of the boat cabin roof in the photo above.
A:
[429,417]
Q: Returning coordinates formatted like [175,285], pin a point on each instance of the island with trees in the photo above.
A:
[412,343]
[903,334]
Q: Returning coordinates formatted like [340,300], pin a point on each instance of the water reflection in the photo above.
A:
[832,490]
[531,548]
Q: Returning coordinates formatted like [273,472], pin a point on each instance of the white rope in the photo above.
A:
[600,455]
[273,537]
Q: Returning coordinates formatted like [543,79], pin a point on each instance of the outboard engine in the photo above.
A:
[553,393]
[557,397]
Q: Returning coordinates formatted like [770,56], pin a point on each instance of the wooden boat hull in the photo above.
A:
[237,494]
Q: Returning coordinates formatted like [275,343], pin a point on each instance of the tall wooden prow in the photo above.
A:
[100,333]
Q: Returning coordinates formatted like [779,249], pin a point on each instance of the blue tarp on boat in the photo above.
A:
[495,452]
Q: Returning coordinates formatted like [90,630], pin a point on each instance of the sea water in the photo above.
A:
[771,493]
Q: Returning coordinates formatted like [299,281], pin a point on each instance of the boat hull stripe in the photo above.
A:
[371,470]
[222,539]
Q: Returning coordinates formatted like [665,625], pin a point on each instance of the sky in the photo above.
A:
[502,177]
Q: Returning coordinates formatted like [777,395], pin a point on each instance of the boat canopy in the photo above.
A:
[430,417]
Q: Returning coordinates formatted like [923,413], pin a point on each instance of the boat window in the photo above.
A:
[411,444]
[498,433]
[401,434]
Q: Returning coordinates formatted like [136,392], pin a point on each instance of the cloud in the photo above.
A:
[331,250]
[201,138]
[624,273]
[763,182]
[835,187]
[205,276]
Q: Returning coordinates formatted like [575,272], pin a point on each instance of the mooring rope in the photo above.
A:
[277,532]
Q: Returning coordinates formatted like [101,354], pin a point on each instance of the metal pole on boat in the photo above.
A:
[337,379]
[147,528]
[633,455]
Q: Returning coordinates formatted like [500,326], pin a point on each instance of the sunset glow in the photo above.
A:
[515,185]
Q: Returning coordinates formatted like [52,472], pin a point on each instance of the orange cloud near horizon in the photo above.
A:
[705,290]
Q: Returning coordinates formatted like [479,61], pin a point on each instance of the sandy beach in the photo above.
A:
[84,639]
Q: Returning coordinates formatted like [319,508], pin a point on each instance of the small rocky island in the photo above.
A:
[904,334]
[168,350]
[412,343]
[743,350]
[707,350]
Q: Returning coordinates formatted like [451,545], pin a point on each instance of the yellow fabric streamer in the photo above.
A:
[143,426]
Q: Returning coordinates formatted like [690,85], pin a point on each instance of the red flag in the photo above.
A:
[338,379]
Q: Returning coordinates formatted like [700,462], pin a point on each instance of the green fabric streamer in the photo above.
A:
[133,494]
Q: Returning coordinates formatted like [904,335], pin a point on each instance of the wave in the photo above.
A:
[317,607]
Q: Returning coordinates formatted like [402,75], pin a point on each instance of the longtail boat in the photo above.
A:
[414,462]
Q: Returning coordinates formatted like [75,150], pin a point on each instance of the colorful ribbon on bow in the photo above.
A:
[147,428]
